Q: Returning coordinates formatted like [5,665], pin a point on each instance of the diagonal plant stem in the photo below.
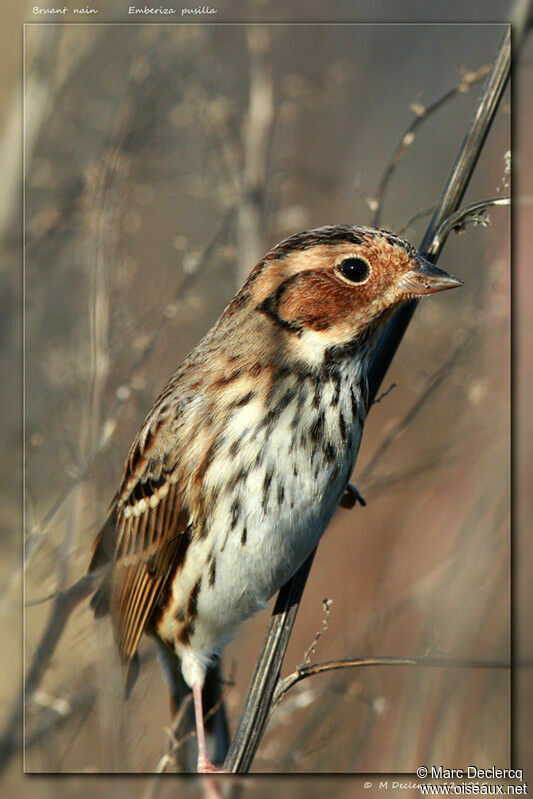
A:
[265,679]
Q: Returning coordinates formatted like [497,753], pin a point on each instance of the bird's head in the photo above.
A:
[326,287]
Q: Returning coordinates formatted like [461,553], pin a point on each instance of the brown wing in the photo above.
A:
[146,535]
[148,547]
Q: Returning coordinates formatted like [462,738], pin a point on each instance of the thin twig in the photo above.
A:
[347,663]
[384,393]
[167,758]
[176,743]
[457,220]
[266,674]
[326,604]
[421,114]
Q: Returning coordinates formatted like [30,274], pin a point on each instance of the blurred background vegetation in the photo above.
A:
[161,162]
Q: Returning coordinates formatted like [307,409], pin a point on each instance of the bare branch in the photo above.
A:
[422,113]
[384,393]
[470,213]
[334,665]
[166,760]
[326,604]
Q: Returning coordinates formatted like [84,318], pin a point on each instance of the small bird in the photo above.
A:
[243,458]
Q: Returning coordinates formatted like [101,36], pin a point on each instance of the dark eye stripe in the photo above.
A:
[354,269]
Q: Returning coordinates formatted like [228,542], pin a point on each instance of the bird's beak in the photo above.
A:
[426,278]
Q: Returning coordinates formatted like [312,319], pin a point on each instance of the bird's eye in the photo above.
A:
[356,270]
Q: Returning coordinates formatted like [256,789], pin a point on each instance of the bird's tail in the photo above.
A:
[216,723]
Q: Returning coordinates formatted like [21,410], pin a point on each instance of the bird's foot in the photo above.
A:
[206,767]
[351,497]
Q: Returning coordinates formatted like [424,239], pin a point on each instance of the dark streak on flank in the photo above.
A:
[318,393]
[317,428]
[342,426]
[329,451]
[364,392]
[238,477]
[287,398]
[266,486]
[280,373]
[192,604]
[354,403]
[235,512]
[279,407]
[201,530]
[212,571]
[281,494]
[244,535]
[300,401]
[184,635]
[337,393]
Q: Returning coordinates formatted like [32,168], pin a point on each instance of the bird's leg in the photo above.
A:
[204,764]
[351,497]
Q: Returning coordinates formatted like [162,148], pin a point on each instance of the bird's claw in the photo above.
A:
[351,497]
[206,767]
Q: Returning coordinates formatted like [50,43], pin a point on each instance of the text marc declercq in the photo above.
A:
[473,772]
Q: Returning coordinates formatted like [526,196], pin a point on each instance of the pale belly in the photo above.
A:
[263,528]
